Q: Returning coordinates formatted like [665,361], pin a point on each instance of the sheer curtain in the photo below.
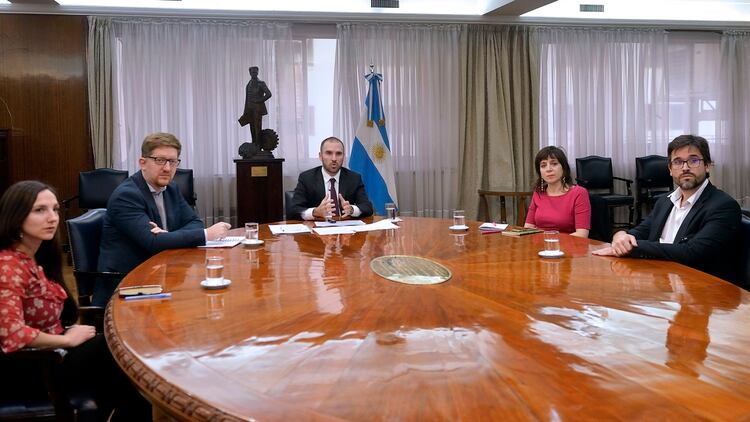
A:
[604,92]
[420,65]
[188,77]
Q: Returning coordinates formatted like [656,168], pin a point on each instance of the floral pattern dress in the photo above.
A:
[29,302]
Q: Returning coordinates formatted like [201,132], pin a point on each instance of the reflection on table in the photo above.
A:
[307,331]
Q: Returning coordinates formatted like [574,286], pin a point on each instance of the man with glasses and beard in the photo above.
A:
[696,225]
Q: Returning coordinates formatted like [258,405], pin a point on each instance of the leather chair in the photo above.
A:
[745,254]
[185,182]
[652,180]
[521,200]
[85,233]
[95,187]
[601,225]
[595,174]
[288,195]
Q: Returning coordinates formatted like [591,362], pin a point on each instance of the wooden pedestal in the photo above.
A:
[260,192]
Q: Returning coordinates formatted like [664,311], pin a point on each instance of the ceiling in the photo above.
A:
[693,12]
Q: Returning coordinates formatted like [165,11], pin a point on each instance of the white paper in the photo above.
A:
[227,242]
[277,229]
[493,226]
[379,225]
[326,231]
[342,223]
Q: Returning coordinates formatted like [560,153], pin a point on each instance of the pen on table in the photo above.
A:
[153,296]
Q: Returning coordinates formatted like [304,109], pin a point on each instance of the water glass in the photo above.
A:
[214,270]
[390,210]
[459,218]
[552,241]
[251,232]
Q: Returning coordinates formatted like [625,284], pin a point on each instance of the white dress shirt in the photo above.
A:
[679,211]
[308,213]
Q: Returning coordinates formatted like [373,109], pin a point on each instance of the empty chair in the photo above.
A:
[519,200]
[652,180]
[95,187]
[84,233]
[601,225]
[595,174]
[288,195]
[745,261]
[184,180]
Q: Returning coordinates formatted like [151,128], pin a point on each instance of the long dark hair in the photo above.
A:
[546,153]
[15,205]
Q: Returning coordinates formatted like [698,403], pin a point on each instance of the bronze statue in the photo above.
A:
[256,95]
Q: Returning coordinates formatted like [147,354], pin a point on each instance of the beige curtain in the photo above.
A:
[99,67]
[498,113]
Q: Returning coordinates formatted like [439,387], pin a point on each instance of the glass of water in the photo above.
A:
[459,219]
[251,232]
[390,211]
[214,270]
[552,241]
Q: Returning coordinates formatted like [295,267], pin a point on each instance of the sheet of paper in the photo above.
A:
[326,231]
[227,242]
[379,225]
[277,229]
[493,226]
[342,223]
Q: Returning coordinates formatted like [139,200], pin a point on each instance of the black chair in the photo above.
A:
[95,187]
[745,254]
[184,180]
[601,225]
[288,195]
[85,233]
[595,174]
[652,180]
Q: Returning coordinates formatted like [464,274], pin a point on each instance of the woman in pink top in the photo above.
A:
[556,203]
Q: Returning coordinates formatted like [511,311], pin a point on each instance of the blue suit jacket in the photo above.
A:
[708,239]
[127,240]
[310,191]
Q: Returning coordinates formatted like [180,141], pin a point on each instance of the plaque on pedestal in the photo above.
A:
[260,193]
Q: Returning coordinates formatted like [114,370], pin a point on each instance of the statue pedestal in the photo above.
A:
[260,192]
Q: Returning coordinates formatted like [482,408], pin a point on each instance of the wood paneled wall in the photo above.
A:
[43,80]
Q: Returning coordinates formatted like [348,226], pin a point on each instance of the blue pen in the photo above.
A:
[153,296]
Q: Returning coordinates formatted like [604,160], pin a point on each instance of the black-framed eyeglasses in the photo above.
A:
[163,161]
[692,162]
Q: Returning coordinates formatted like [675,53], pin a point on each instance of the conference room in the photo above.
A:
[464,95]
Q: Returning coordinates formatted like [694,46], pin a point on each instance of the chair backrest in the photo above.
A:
[288,195]
[520,199]
[745,258]
[85,233]
[96,186]
[652,172]
[601,225]
[185,182]
[594,172]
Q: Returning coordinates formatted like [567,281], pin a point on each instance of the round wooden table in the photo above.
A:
[307,331]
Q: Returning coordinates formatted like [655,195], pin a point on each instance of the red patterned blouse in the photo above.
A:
[29,303]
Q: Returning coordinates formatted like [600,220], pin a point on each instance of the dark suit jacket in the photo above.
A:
[127,240]
[310,191]
[708,239]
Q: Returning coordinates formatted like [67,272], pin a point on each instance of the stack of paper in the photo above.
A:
[492,227]
[227,242]
[277,229]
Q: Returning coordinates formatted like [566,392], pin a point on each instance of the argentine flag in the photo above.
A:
[371,151]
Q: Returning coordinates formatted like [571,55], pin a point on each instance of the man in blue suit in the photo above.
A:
[696,225]
[147,214]
[330,189]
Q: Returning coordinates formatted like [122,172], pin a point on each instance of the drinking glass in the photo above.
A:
[251,232]
[459,219]
[390,210]
[552,241]
[214,270]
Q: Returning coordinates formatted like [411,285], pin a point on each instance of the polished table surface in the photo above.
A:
[307,331]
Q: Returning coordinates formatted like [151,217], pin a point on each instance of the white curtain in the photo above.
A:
[732,153]
[420,65]
[604,92]
[188,77]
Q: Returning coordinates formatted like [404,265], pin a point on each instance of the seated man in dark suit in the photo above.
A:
[330,189]
[696,225]
[147,214]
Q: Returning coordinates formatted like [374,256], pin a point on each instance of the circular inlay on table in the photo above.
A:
[410,269]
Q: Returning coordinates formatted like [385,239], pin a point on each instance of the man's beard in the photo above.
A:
[690,184]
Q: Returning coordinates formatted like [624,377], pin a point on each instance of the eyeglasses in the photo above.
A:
[691,162]
[162,161]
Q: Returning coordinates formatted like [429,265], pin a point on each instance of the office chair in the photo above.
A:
[601,225]
[652,181]
[84,233]
[288,195]
[520,199]
[95,187]
[185,182]
[745,254]
[595,174]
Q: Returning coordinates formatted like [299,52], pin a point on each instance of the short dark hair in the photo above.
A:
[15,206]
[559,155]
[334,139]
[159,139]
[690,141]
